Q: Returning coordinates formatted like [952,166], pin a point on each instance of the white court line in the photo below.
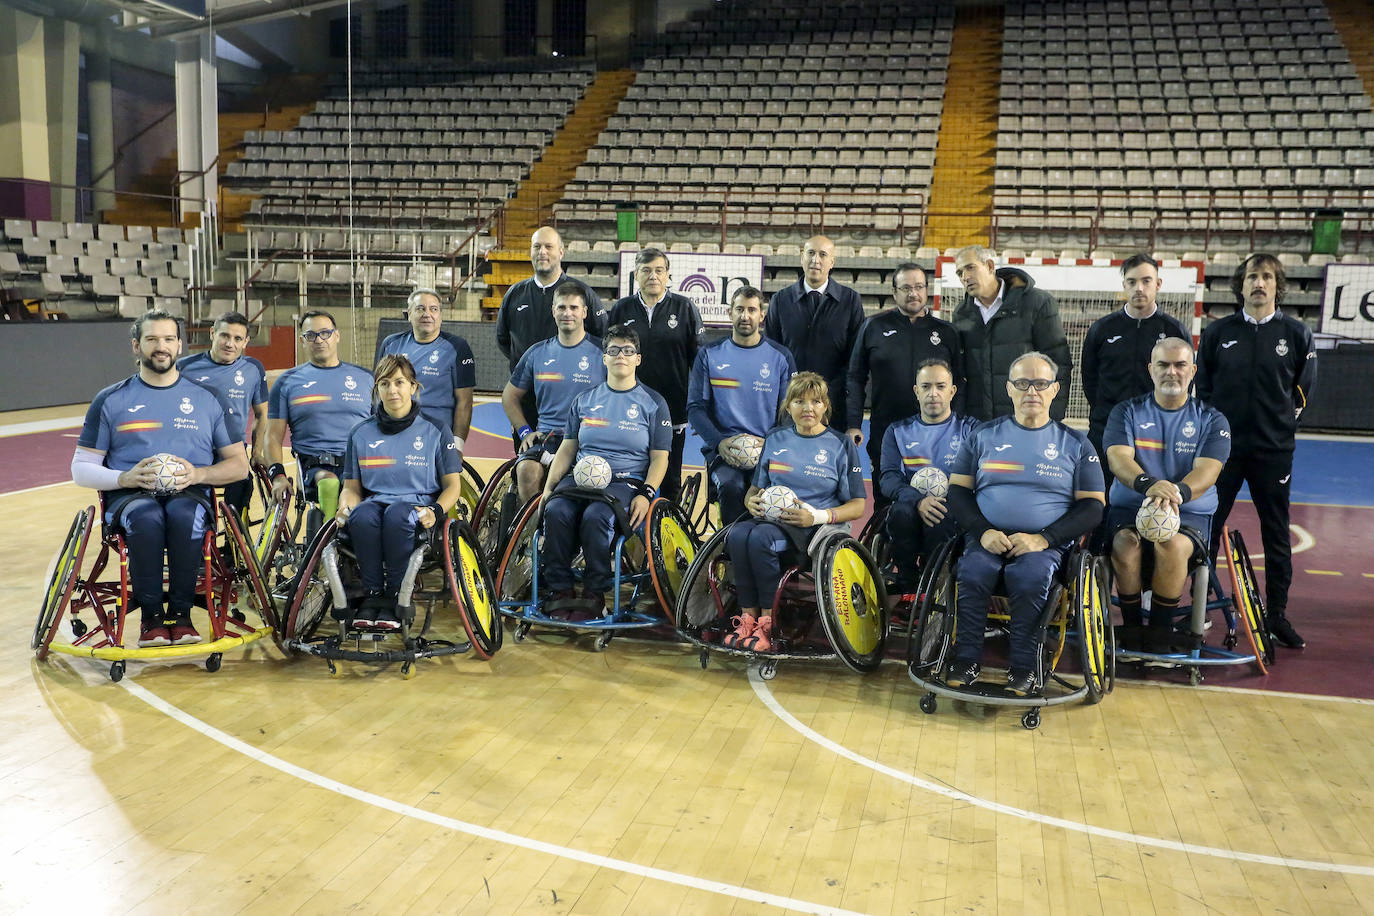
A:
[40,426]
[46,486]
[1305,539]
[764,694]
[486,833]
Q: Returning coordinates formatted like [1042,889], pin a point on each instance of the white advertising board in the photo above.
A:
[708,279]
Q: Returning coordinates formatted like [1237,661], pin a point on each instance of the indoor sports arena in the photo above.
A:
[687,456]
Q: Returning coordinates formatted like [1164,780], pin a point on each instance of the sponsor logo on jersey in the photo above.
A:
[722,367]
[375,444]
[1284,478]
[136,408]
[1152,445]
[206,378]
[134,426]
[1003,447]
[1114,339]
[888,333]
[1228,345]
[550,362]
[1281,348]
[595,407]
[309,384]
[377,461]
[1002,467]
[779,452]
[1051,452]
[1147,425]
[521,308]
[186,406]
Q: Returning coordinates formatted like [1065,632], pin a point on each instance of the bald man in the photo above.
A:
[526,315]
[818,320]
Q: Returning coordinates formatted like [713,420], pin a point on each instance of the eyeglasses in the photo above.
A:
[312,336]
[1039,384]
[621,351]
[908,290]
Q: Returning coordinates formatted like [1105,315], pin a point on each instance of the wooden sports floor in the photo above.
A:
[554,779]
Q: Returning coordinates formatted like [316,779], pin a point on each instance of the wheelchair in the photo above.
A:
[229,579]
[1185,645]
[648,564]
[447,565]
[1076,612]
[842,587]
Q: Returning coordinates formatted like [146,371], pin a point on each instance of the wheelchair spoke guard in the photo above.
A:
[469,580]
[852,602]
[672,549]
[57,591]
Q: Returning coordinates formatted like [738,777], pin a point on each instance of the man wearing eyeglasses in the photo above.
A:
[320,400]
[1002,316]
[443,365]
[1023,488]
[892,346]
[669,328]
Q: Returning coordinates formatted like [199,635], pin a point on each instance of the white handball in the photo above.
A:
[931,481]
[1156,523]
[592,472]
[776,499]
[167,469]
[743,452]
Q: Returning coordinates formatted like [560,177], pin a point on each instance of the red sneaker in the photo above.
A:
[154,636]
[183,634]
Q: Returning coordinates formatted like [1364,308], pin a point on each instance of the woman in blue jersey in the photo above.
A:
[819,465]
[628,425]
[401,476]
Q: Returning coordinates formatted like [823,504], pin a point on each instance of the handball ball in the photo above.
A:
[931,481]
[1156,523]
[168,469]
[744,452]
[592,472]
[776,499]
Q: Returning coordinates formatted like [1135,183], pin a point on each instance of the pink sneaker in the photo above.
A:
[744,629]
[760,640]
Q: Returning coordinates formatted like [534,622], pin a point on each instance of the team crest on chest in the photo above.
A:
[238,377]
[186,406]
[672,321]
[822,457]
[953,443]
[1281,348]
[434,357]
[1189,430]
[582,364]
[349,383]
[1051,452]
[764,371]
[418,444]
[632,411]
[935,338]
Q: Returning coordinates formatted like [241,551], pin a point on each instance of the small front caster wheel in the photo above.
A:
[117,672]
[1031,719]
[705,659]
[768,670]
[928,703]
[603,640]
[212,662]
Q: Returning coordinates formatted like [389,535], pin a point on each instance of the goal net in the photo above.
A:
[1085,291]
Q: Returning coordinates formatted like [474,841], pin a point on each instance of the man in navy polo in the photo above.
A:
[443,363]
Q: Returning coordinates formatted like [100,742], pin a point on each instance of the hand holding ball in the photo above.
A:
[775,500]
[166,470]
[1157,521]
[743,451]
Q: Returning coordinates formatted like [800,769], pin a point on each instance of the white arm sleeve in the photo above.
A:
[88,470]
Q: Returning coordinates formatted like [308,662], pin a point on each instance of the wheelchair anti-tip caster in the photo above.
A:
[768,670]
[522,629]
[705,659]
[117,672]
[604,639]
[335,669]
[1031,718]
[212,662]
[78,627]
[928,704]
[407,671]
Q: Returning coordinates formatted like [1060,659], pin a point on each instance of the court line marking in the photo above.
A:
[40,426]
[1305,539]
[486,833]
[762,691]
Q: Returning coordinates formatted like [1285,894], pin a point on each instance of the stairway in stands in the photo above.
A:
[1351,18]
[533,203]
[966,152]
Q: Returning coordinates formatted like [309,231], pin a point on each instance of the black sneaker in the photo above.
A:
[961,674]
[1284,633]
[365,618]
[1021,683]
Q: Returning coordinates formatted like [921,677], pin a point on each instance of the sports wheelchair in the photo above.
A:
[1075,611]
[842,587]
[648,564]
[229,578]
[1184,645]
[447,565]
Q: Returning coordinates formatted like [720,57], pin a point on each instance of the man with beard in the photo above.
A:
[154,420]
[736,389]
[892,346]
[242,382]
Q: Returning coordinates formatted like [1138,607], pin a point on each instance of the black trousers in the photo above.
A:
[672,478]
[1270,476]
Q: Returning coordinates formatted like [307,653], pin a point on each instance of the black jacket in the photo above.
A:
[526,317]
[1028,319]
[1116,360]
[668,343]
[820,339]
[1259,376]
[890,349]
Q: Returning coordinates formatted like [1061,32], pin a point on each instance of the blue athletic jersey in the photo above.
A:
[131,420]
[823,470]
[735,389]
[558,374]
[407,466]
[441,366]
[1167,443]
[1024,479]
[621,426]
[911,444]
[321,405]
[242,384]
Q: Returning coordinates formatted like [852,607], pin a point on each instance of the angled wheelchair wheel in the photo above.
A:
[516,573]
[875,540]
[312,598]
[700,596]
[272,534]
[672,546]
[1249,604]
[246,569]
[495,512]
[934,611]
[469,581]
[853,602]
[62,577]
[470,493]
[1091,611]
